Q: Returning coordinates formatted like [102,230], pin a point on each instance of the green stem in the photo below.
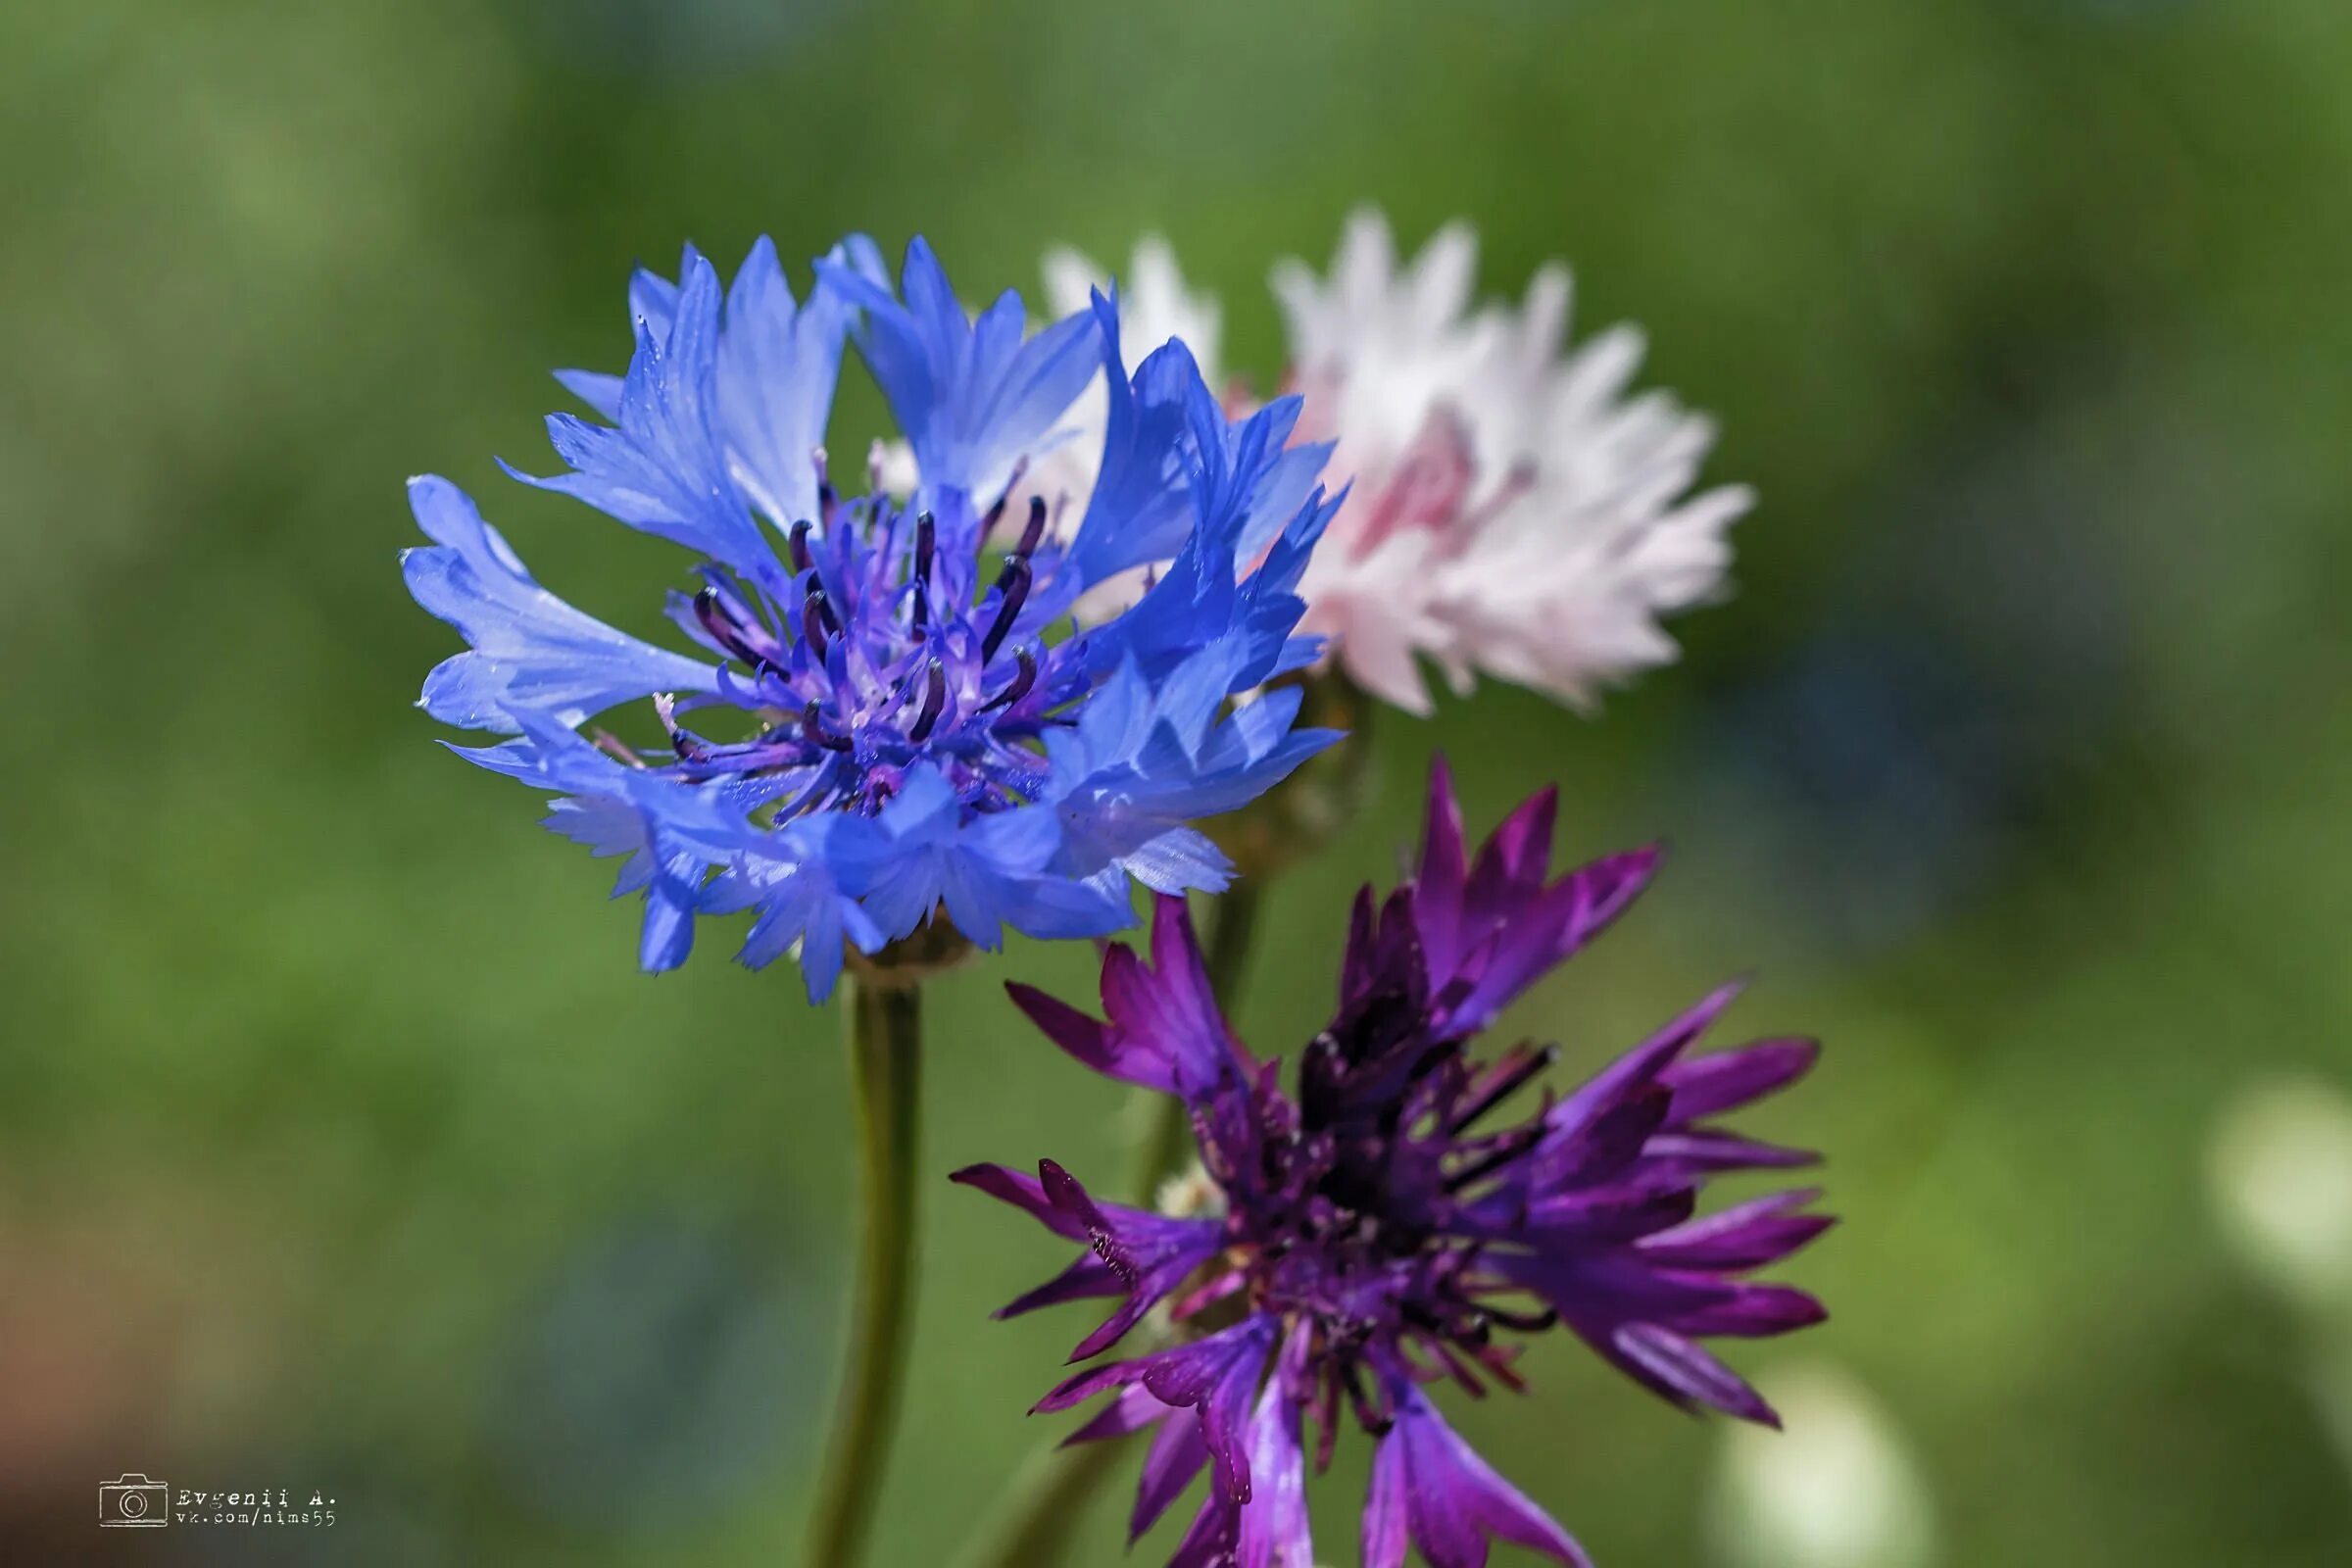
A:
[1047,1500]
[885,1037]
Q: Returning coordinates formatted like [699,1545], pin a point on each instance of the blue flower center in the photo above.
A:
[871,651]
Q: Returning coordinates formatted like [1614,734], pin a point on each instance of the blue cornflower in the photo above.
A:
[891,713]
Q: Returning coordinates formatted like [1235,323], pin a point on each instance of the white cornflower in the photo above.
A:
[1514,512]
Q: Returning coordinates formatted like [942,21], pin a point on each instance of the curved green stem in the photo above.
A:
[885,1037]
[1047,1500]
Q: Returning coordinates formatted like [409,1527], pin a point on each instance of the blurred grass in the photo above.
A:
[326,1067]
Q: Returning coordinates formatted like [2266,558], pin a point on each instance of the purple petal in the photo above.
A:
[1685,1371]
[1274,1527]
[1754,1312]
[1219,1376]
[1150,1253]
[1637,1068]
[1177,1455]
[1084,1280]
[1748,1235]
[1136,1408]
[1706,1085]
[1025,1193]
[1453,1500]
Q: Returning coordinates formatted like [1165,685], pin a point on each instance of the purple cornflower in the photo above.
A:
[1378,1228]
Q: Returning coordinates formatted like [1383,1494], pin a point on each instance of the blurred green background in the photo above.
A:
[346,1150]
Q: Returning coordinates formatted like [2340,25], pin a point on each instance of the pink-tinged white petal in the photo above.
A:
[1567,525]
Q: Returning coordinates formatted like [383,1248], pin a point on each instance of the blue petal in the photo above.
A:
[665,468]
[530,649]
[973,397]
[777,366]
[1139,512]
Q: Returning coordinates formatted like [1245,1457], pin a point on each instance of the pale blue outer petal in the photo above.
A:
[665,468]
[530,649]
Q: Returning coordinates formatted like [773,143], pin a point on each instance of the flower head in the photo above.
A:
[889,714]
[1514,510]
[1379,1226]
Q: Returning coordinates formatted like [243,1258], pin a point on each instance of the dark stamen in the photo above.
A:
[925,541]
[1522,1322]
[1036,531]
[1508,1078]
[689,748]
[1022,679]
[727,627]
[817,618]
[935,701]
[815,730]
[798,544]
[1509,1147]
[1015,583]
[1372,1417]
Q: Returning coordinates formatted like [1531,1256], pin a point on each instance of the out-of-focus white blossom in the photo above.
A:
[1834,1489]
[2279,1167]
[1515,513]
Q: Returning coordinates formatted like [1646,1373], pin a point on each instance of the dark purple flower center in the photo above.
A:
[1348,1223]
